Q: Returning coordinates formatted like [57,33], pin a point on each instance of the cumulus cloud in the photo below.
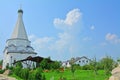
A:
[39,43]
[70,30]
[66,40]
[113,38]
[72,17]
[92,27]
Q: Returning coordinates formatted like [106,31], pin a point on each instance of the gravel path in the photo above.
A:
[4,77]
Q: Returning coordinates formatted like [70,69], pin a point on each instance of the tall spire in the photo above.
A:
[19,30]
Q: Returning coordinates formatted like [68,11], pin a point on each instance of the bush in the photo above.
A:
[2,71]
[36,75]
[16,71]
[55,65]
[24,73]
[31,75]
[44,64]
[19,64]
[107,63]
[86,67]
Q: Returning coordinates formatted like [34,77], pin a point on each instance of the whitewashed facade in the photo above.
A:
[82,60]
[18,47]
[66,64]
[79,60]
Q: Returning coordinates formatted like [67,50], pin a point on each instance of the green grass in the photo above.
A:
[18,78]
[79,75]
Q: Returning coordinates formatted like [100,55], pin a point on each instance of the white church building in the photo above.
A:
[18,47]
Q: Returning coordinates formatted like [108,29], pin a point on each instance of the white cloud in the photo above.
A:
[65,40]
[92,27]
[87,39]
[113,38]
[39,43]
[72,17]
[110,36]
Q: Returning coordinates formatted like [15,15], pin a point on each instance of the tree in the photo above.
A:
[108,64]
[17,68]
[73,69]
[1,61]
[94,65]
[19,64]
[72,66]
[55,65]
[118,60]
[44,64]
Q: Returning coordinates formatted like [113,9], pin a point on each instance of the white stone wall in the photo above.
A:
[11,57]
[18,42]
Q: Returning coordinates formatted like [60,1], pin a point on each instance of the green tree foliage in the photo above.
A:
[1,61]
[94,65]
[55,65]
[36,75]
[72,66]
[19,64]
[44,64]
[118,60]
[86,67]
[72,61]
[17,70]
[1,71]
[107,64]
[73,69]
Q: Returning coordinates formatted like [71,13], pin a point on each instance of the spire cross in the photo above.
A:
[20,6]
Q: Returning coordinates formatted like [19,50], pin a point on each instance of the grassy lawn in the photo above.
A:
[79,75]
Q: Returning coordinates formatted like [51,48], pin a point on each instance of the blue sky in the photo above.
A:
[63,29]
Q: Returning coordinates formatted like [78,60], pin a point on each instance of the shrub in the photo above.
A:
[43,77]
[36,75]
[31,75]
[19,64]
[107,63]
[2,71]
[86,67]
[24,73]
[44,64]
[16,71]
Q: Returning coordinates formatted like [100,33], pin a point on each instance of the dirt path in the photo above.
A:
[4,77]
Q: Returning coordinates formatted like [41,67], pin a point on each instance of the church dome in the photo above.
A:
[20,11]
